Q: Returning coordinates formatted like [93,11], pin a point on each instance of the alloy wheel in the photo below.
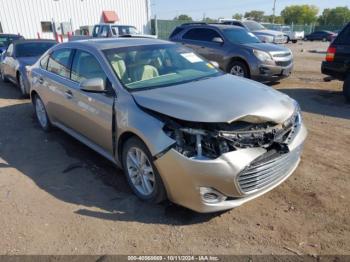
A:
[41,113]
[140,171]
[237,71]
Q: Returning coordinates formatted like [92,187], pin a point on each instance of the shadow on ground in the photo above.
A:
[322,102]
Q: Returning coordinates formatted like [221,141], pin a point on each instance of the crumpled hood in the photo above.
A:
[24,61]
[268,32]
[218,100]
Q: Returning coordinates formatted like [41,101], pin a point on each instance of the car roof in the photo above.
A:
[10,35]
[21,41]
[102,24]
[109,43]
[216,25]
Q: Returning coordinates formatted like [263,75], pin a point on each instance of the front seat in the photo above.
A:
[119,67]
[143,70]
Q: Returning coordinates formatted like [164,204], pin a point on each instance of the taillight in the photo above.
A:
[330,54]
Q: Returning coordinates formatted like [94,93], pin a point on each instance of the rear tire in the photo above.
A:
[142,175]
[41,115]
[294,41]
[239,68]
[346,88]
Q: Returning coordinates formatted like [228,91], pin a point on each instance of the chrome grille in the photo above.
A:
[263,173]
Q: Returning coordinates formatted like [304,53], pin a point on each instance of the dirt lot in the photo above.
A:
[59,197]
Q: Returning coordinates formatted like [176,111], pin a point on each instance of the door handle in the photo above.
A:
[41,80]
[69,94]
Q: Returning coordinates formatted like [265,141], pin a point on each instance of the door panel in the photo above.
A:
[90,114]
[56,79]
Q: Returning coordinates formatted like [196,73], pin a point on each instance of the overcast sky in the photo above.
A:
[168,9]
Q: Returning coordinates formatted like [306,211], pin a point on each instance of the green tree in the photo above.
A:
[335,16]
[255,15]
[300,14]
[237,16]
[278,19]
[209,20]
[183,17]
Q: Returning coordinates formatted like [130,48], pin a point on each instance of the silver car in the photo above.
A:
[19,55]
[180,128]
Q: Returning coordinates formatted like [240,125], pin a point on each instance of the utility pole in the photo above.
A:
[273,11]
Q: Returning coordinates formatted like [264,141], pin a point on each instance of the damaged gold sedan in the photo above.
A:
[179,127]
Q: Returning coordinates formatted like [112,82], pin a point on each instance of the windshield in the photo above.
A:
[125,30]
[238,36]
[253,26]
[145,67]
[32,49]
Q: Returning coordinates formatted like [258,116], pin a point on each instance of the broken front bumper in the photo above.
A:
[185,179]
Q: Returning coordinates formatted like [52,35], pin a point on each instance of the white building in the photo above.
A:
[40,18]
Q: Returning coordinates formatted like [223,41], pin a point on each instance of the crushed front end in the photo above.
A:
[218,166]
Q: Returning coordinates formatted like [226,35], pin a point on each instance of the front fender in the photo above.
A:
[130,118]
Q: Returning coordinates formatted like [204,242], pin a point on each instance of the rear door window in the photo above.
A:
[59,62]
[201,34]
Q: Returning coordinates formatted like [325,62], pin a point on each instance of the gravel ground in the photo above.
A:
[59,197]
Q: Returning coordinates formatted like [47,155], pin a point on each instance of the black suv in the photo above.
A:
[337,64]
[236,50]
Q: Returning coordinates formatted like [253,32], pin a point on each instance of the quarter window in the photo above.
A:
[59,63]
[201,34]
[44,61]
[9,51]
[86,66]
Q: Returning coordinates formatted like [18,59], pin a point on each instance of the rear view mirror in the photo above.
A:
[93,85]
[218,40]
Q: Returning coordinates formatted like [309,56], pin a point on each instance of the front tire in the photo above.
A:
[346,88]
[142,175]
[41,115]
[239,68]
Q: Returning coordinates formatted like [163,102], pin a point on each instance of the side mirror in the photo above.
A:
[218,40]
[216,64]
[93,85]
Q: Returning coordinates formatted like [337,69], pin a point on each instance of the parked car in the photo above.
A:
[19,54]
[291,36]
[236,50]
[320,35]
[337,63]
[179,127]
[115,30]
[265,35]
[6,40]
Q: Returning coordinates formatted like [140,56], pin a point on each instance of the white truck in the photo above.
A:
[291,35]
[109,31]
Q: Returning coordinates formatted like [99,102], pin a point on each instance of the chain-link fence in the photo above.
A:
[163,28]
